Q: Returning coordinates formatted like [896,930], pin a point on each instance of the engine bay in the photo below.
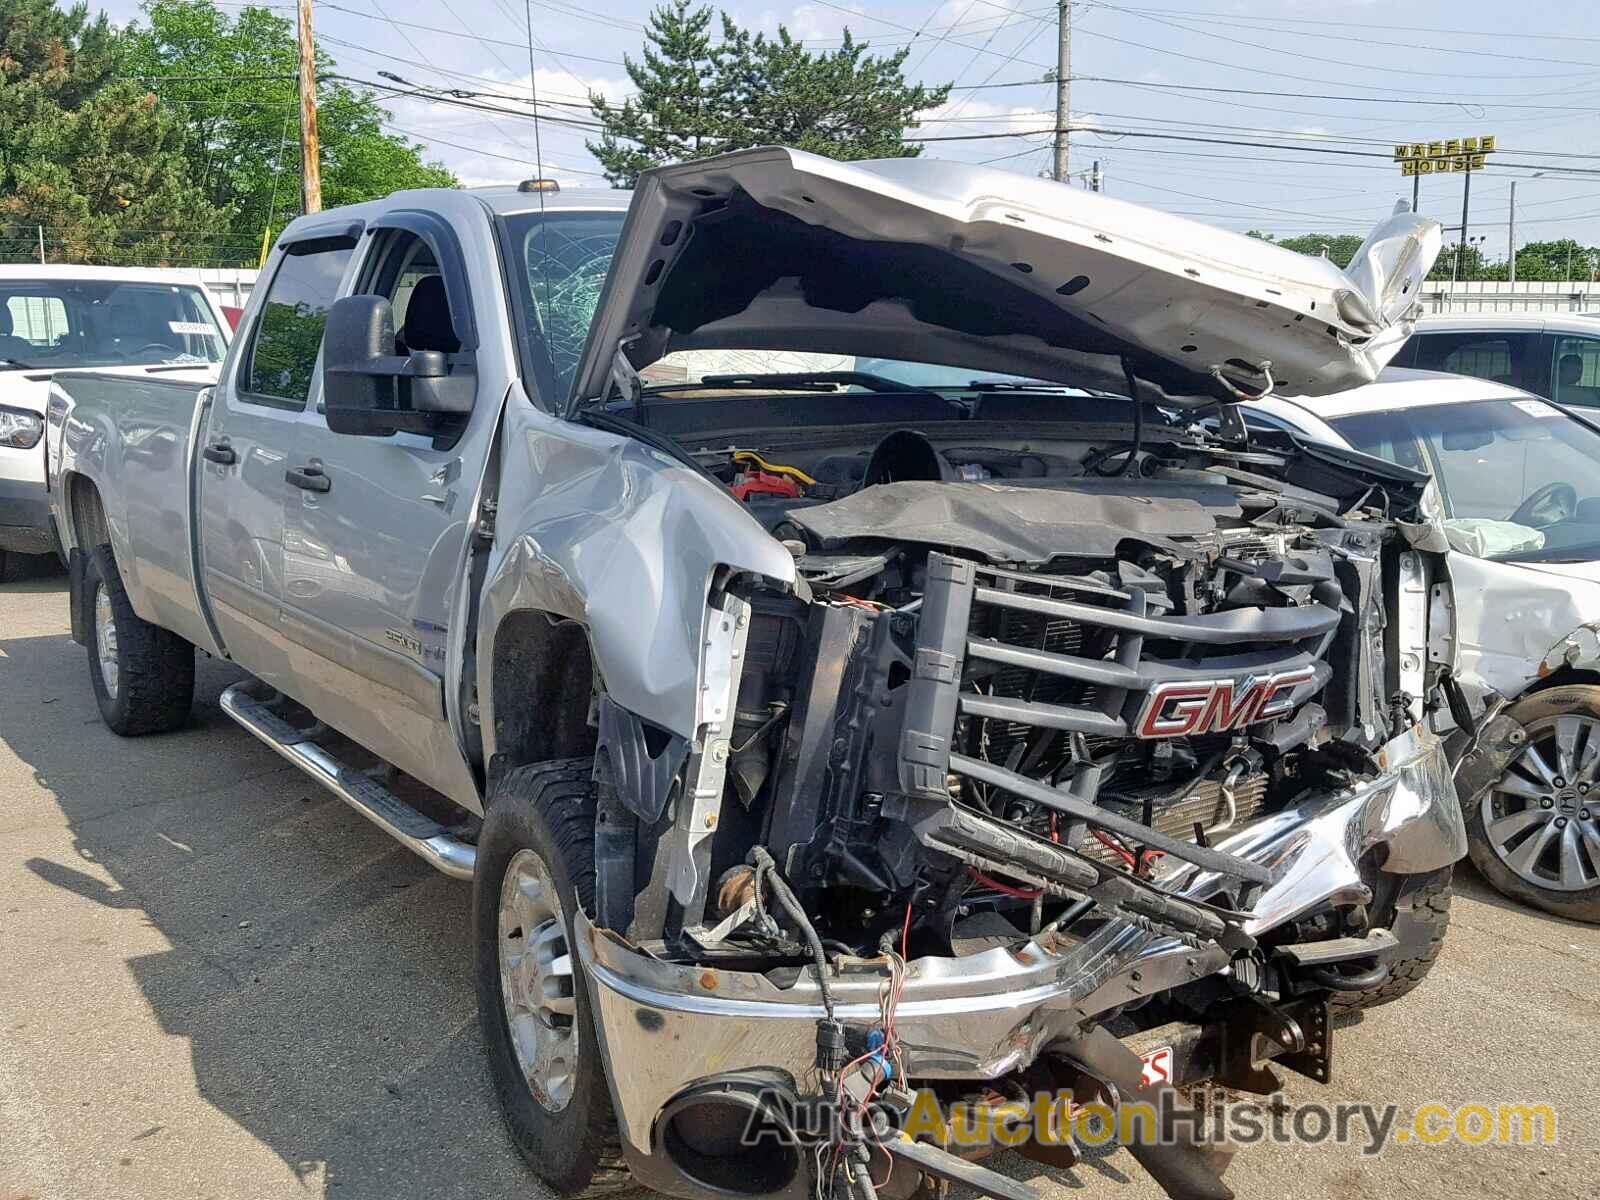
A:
[1027,667]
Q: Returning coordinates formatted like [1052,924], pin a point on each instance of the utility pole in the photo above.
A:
[1416,193]
[1511,236]
[1063,85]
[1466,198]
[310,150]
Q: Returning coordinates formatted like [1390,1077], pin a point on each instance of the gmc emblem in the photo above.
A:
[1216,705]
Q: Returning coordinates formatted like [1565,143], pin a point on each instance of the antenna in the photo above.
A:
[533,87]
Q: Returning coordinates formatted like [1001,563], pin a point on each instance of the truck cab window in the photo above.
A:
[288,335]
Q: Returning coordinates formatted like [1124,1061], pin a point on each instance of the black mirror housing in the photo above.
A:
[368,390]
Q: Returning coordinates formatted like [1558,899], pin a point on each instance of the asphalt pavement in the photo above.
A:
[217,981]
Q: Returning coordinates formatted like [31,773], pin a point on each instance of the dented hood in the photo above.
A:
[972,267]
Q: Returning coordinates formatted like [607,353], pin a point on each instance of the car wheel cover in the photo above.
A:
[536,980]
[1542,818]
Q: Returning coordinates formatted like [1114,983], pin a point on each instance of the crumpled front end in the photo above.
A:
[1020,753]
[675,1030]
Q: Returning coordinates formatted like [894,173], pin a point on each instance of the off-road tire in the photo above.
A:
[1583,905]
[1423,904]
[155,667]
[4,578]
[548,808]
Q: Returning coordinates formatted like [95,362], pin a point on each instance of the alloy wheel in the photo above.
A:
[1542,818]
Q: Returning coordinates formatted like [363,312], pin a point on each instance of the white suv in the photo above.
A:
[54,318]
[1554,355]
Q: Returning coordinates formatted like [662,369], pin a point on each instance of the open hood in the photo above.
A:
[972,267]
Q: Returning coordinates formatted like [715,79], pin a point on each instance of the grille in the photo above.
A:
[1073,653]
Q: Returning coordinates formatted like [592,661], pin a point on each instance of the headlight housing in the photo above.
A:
[19,428]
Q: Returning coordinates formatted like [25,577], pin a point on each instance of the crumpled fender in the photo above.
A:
[610,533]
[1516,624]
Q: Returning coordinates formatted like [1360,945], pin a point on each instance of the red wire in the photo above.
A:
[905,933]
[1005,889]
[1111,843]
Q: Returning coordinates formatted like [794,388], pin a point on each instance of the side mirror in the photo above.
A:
[369,390]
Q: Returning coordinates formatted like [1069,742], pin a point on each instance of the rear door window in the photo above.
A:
[1508,358]
[288,335]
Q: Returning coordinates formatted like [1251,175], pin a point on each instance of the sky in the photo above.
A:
[1355,76]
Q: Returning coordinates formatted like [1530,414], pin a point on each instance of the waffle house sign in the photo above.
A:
[1437,158]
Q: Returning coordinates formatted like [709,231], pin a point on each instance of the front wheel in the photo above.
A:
[143,675]
[1419,915]
[535,869]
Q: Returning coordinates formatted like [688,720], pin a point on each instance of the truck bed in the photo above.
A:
[134,437]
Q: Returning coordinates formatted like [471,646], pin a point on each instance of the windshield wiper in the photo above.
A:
[1024,385]
[17,364]
[807,381]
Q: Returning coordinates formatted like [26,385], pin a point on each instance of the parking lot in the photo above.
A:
[219,982]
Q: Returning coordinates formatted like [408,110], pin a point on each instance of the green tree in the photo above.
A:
[231,81]
[90,157]
[697,98]
[674,117]
[1557,260]
[1339,248]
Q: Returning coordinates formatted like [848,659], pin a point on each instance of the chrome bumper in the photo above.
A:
[665,1026]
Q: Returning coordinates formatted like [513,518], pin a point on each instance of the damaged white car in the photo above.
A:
[1519,482]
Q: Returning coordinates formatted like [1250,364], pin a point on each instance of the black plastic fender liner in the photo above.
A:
[1177,1162]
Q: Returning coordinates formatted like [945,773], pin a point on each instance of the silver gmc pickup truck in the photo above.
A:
[807,601]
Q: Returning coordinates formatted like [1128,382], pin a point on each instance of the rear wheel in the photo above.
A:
[143,675]
[535,869]
[1535,832]
[1419,916]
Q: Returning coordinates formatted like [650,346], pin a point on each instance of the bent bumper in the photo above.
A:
[666,1026]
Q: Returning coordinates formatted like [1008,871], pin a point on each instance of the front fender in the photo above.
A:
[1516,624]
[611,533]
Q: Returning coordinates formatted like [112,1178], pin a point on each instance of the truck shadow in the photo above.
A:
[320,975]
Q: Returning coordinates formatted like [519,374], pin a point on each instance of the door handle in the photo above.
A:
[220,452]
[311,478]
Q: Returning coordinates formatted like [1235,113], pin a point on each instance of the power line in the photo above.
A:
[1500,34]
[1231,91]
[1149,14]
[1336,62]
[1183,137]
[476,37]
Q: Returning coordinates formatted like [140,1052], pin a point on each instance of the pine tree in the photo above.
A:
[674,117]
[696,99]
[844,104]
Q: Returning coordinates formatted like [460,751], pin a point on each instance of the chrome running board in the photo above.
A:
[416,831]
